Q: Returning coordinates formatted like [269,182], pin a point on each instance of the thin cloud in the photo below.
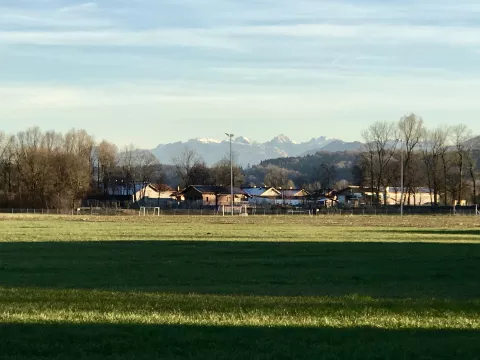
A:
[81,16]
[230,37]
[153,38]
[87,7]
[150,93]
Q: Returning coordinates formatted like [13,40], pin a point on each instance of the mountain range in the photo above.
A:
[251,152]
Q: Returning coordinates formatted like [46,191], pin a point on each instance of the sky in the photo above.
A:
[158,71]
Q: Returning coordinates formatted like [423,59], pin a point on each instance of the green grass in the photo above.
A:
[240,288]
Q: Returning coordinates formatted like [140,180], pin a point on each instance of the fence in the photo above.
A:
[254,211]
[79,211]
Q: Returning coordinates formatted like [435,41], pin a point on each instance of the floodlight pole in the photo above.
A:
[401,178]
[231,171]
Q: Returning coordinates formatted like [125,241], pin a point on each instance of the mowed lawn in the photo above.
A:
[280,287]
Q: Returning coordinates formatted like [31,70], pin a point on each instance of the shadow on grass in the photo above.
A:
[204,342]
[466,232]
[414,270]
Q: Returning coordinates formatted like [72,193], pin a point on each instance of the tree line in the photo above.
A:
[444,159]
[53,170]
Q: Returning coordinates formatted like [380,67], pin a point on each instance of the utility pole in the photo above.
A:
[231,171]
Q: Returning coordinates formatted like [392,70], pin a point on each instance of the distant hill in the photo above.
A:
[251,152]
[310,168]
[339,145]
[474,143]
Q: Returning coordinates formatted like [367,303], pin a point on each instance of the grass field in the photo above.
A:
[239,288]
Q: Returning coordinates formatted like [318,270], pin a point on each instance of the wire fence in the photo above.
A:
[252,211]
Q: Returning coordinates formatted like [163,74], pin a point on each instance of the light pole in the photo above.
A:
[401,177]
[231,171]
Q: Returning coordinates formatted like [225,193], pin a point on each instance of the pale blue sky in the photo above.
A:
[150,72]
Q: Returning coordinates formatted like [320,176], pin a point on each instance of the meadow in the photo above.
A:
[263,287]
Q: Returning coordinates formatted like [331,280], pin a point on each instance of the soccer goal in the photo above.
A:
[156,211]
[244,210]
[143,211]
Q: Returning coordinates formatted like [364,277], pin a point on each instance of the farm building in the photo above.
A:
[211,195]
[352,196]
[138,194]
[262,195]
[156,196]
[294,197]
[416,197]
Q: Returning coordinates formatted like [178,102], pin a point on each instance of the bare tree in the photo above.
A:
[434,147]
[184,163]
[6,162]
[461,134]
[148,166]
[472,169]
[107,159]
[381,140]
[77,158]
[277,177]
[199,174]
[326,174]
[221,173]
[31,165]
[128,162]
[410,132]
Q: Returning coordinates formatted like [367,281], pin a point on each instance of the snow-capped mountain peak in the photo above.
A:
[242,140]
[250,152]
[207,141]
[281,139]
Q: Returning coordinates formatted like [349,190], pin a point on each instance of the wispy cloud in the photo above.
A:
[122,94]
[153,38]
[238,36]
[238,59]
[87,7]
[83,15]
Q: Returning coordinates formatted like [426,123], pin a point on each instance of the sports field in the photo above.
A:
[280,287]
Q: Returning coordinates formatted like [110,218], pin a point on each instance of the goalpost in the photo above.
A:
[227,209]
[242,212]
[143,211]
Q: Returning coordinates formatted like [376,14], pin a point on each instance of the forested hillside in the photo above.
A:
[321,170]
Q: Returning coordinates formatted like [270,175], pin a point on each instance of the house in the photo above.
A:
[417,197]
[327,202]
[295,197]
[133,194]
[211,195]
[354,196]
[351,196]
[153,195]
[262,195]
